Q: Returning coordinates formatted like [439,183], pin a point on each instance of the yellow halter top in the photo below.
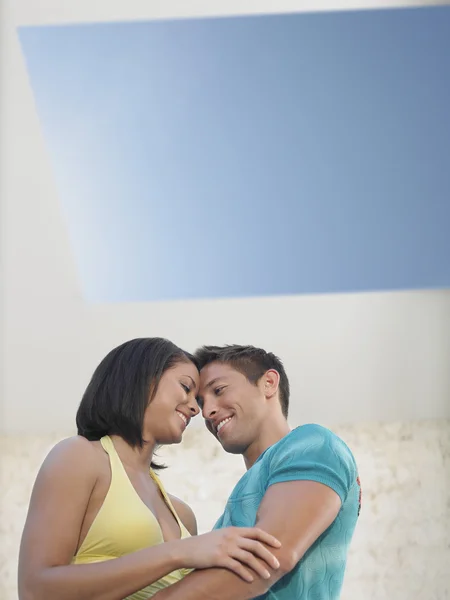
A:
[124,524]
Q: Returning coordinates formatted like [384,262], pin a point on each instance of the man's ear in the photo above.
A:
[270,382]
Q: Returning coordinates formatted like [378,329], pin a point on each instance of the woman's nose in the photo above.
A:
[193,407]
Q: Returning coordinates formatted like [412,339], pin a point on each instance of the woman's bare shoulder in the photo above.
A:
[74,452]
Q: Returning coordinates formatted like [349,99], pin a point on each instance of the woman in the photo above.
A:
[100,524]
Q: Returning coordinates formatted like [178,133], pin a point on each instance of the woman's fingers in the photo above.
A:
[250,560]
[255,533]
[239,569]
[259,550]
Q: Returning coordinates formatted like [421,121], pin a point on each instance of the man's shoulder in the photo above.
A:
[307,436]
[311,453]
[310,441]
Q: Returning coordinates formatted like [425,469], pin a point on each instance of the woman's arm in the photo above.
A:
[185,513]
[52,530]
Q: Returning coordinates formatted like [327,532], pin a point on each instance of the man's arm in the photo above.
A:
[296,513]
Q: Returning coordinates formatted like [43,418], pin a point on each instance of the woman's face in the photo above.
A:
[173,405]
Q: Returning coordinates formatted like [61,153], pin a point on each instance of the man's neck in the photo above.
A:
[266,439]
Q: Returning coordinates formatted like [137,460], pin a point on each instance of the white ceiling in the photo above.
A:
[350,357]
[30,12]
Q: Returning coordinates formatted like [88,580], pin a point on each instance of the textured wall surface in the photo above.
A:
[401,549]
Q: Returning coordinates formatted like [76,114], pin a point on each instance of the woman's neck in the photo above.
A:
[136,458]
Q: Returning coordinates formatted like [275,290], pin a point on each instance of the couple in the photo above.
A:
[101,526]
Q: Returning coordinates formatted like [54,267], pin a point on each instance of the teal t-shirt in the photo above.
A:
[311,453]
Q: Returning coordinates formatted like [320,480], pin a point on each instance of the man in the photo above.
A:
[302,486]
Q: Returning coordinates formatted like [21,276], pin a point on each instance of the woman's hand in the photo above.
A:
[239,549]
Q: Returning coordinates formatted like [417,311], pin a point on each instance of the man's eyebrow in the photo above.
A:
[208,385]
[212,382]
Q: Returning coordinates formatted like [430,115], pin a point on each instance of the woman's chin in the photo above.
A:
[175,438]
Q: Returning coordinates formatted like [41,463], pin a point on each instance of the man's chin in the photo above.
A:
[231,446]
[228,442]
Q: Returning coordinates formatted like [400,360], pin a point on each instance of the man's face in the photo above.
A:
[234,409]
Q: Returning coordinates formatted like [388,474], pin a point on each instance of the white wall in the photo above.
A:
[400,548]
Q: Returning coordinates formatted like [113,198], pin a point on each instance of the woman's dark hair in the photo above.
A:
[117,396]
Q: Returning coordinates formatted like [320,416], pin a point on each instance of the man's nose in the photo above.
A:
[209,409]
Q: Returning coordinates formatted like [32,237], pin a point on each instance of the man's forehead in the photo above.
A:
[214,371]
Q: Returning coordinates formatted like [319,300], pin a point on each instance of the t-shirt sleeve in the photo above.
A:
[313,453]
